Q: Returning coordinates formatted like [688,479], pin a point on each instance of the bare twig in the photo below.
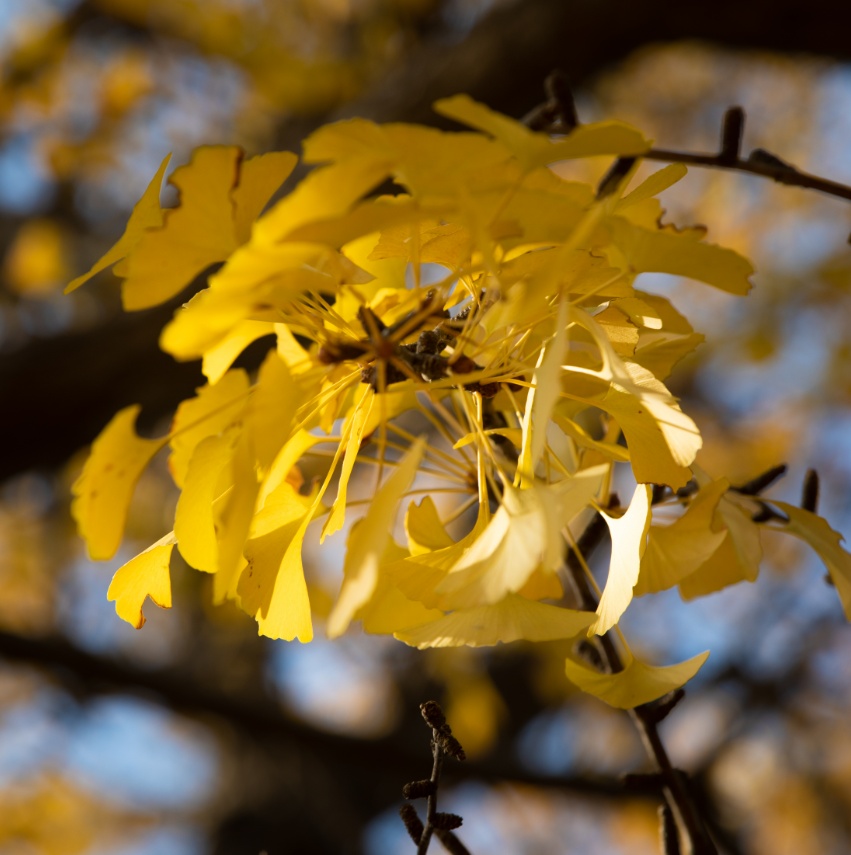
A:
[437,823]
[758,162]
[548,117]
[809,494]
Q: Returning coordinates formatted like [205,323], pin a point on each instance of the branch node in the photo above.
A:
[762,481]
[761,157]
[809,494]
[418,789]
[766,513]
[659,709]
[451,746]
[613,178]
[446,821]
[451,843]
[433,715]
[413,824]
[560,97]
[557,115]
[731,135]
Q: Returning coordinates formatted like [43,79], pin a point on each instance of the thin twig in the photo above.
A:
[431,805]
[437,824]
[548,117]
[758,162]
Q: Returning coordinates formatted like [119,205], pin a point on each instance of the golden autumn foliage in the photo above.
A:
[476,343]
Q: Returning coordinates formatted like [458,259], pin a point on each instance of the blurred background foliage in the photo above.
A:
[195,736]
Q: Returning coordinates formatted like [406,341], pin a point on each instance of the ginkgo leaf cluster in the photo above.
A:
[473,347]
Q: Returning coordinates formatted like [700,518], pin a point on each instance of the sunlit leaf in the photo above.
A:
[737,558]
[272,587]
[233,522]
[197,233]
[424,528]
[218,359]
[537,149]
[629,540]
[214,408]
[147,214]
[353,434]
[275,400]
[511,619]
[524,534]
[259,178]
[542,398]
[368,541]
[637,684]
[680,253]
[196,518]
[826,542]
[675,551]
[103,491]
[146,575]
[653,185]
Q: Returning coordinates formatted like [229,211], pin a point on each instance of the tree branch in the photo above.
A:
[676,793]
[261,719]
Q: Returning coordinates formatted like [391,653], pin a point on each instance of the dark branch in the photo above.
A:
[646,719]
[758,162]
[86,674]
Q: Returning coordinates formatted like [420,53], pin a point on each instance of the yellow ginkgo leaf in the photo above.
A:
[738,556]
[637,684]
[368,541]
[511,619]
[629,540]
[234,521]
[218,359]
[426,532]
[662,440]
[103,491]
[388,610]
[197,233]
[524,535]
[271,587]
[146,575]
[541,400]
[659,350]
[283,608]
[275,400]
[536,149]
[353,433]
[199,505]
[677,550]
[214,408]
[325,193]
[682,253]
[653,185]
[147,214]
[259,178]
[826,542]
